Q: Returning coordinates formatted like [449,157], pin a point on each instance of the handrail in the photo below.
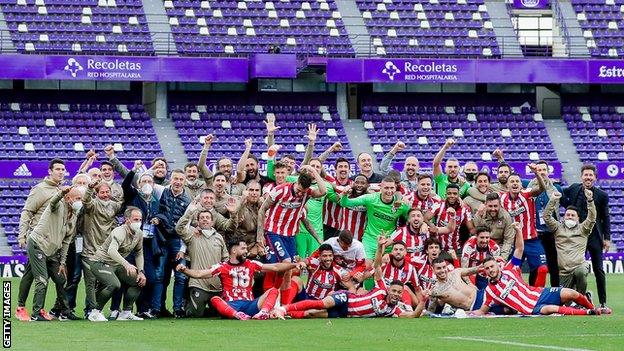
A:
[558,14]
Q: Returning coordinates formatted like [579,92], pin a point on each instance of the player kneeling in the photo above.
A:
[382,301]
[236,276]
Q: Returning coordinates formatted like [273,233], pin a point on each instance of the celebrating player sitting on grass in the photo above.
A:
[381,301]
[237,279]
[507,287]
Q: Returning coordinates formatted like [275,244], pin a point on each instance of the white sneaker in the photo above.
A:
[128,316]
[113,315]
[97,316]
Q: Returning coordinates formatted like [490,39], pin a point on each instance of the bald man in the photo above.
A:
[409,175]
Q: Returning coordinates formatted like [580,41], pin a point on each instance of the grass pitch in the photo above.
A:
[544,333]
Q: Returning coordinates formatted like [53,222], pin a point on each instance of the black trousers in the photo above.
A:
[548,242]
[594,247]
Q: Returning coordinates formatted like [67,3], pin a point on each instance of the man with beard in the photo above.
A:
[507,287]
[478,192]
[450,287]
[502,176]
[571,238]
[383,211]
[423,198]
[409,175]
[499,222]
[236,275]
[353,218]
[470,172]
[452,214]
[382,301]
[206,248]
[414,233]
[600,238]
[247,217]
[442,179]
[36,203]
[422,263]
[192,184]
[521,207]
[224,164]
[365,163]
[219,185]
[544,234]
[398,268]
[247,167]
[476,250]
[332,209]
[99,221]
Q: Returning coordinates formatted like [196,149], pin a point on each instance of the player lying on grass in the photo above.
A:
[507,287]
[382,301]
[237,279]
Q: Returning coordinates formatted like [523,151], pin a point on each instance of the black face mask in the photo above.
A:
[470,176]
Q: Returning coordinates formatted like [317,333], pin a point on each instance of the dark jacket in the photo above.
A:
[575,196]
[133,198]
[170,209]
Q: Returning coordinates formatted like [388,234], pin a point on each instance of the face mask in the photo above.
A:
[470,176]
[569,223]
[135,226]
[76,205]
[147,189]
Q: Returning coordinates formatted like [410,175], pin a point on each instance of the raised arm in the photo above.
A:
[240,166]
[117,165]
[309,152]
[268,202]
[271,128]
[194,273]
[337,146]
[437,160]
[320,182]
[386,163]
[519,242]
[382,243]
[88,162]
[588,224]
[203,156]
[541,185]
[551,207]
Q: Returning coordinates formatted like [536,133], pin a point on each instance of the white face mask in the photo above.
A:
[147,189]
[76,205]
[135,226]
[569,223]
[82,189]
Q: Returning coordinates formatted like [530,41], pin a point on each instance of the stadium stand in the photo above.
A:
[42,131]
[244,27]
[601,22]
[12,198]
[430,28]
[85,26]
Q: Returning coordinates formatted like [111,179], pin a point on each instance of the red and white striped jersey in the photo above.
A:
[473,256]
[521,210]
[511,290]
[322,282]
[413,241]
[424,205]
[426,277]
[266,189]
[284,215]
[463,214]
[353,219]
[372,304]
[405,274]
[332,210]
[237,279]
[354,258]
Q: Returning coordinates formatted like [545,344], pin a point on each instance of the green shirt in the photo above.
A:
[381,218]
[442,181]
[314,208]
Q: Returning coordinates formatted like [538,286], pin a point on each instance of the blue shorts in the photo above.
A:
[549,296]
[481,282]
[248,307]
[285,247]
[341,309]
[534,253]
[303,295]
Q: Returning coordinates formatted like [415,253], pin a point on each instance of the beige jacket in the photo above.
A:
[120,243]
[99,221]
[501,229]
[571,242]
[56,228]
[37,201]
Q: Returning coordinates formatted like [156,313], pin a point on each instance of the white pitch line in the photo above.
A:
[548,347]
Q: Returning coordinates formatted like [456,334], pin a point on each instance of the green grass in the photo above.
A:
[593,333]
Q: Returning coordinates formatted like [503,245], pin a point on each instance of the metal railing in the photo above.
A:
[561,23]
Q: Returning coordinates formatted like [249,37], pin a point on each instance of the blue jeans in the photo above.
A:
[144,302]
[165,265]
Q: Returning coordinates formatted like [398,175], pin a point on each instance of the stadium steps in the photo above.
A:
[356,28]
[158,24]
[5,248]
[358,139]
[6,44]
[578,46]
[505,35]
[170,142]
[565,149]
